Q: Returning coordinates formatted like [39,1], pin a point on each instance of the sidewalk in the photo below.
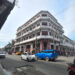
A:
[69,59]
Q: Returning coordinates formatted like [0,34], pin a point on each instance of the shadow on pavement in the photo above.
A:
[60,60]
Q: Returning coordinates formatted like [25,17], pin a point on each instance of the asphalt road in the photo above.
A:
[15,64]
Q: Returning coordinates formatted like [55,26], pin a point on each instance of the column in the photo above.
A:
[20,48]
[54,46]
[41,45]
[48,44]
[40,33]
[24,48]
[31,49]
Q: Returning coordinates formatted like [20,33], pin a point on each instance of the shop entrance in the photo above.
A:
[28,48]
[56,47]
[52,46]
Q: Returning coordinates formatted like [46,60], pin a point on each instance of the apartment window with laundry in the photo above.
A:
[44,23]
[44,32]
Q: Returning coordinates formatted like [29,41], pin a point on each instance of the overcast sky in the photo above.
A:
[62,10]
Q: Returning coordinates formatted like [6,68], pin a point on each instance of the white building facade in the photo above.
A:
[41,32]
[67,46]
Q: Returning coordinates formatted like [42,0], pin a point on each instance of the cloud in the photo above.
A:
[69,20]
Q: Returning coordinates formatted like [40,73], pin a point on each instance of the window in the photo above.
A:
[50,33]
[27,30]
[30,37]
[30,28]
[38,24]
[49,24]
[37,16]
[44,23]
[33,27]
[26,38]
[19,34]
[57,37]
[33,35]
[44,32]
[38,33]
[44,15]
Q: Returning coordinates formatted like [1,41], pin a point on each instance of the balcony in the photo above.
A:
[37,37]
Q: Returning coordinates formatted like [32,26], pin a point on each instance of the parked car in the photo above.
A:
[47,55]
[27,56]
[18,53]
[2,55]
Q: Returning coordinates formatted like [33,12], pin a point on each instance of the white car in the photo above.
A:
[27,56]
[2,55]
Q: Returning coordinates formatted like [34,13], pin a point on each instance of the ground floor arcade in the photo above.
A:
[37,45]
[67,51]
[44,44]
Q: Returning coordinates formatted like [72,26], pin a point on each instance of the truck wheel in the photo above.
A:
[47,58]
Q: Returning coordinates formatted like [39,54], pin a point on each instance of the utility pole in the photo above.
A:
[35,42]
[53,40]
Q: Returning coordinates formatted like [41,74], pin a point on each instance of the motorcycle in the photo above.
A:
[71,68]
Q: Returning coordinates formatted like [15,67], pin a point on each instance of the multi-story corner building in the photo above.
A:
[42,31]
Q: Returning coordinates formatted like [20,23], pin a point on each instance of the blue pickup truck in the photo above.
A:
[47,55]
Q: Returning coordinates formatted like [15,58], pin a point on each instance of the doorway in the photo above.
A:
[45,45]
[28,48]
[52,46]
